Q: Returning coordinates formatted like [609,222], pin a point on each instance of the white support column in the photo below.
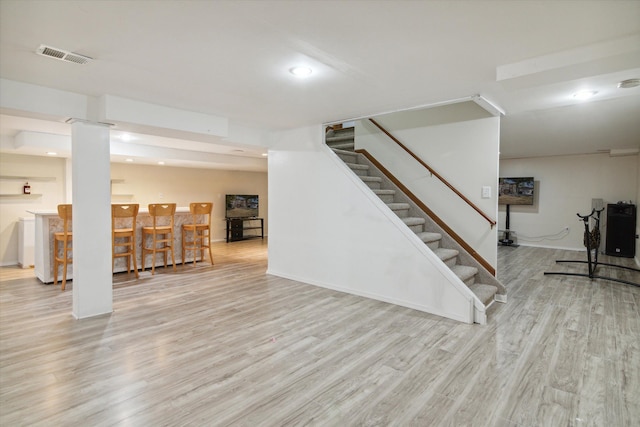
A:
[91,175]
[68,193]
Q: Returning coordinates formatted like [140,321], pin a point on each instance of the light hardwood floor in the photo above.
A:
[231,345]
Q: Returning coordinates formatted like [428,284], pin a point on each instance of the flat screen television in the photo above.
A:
[241,205]
[515,191]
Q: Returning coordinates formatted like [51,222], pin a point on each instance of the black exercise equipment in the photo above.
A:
[592,242]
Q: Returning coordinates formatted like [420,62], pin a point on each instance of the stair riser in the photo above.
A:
[360,172]
[339,139]
[373,185]
[451,262]
[347,158]
[416,228]
[342,134]
[433,245]
[402,213]
[342,146]
[470,281]
[387,198]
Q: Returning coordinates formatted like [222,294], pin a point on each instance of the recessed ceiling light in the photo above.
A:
[264,154]
[161,163]
[128,160]
[584,94]
[51,153]
[629,83]
[301,71]
[125,137]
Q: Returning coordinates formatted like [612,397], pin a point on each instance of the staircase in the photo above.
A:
[341,138]
[482,283]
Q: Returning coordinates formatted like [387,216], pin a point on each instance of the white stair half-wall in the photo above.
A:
[330,230]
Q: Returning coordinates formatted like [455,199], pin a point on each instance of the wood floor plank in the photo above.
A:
[230,345]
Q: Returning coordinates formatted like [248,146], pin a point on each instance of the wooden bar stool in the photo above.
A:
[124,237]
[160,234]
[63,239]
[200,232]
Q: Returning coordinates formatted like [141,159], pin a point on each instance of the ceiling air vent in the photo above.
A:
[62,55]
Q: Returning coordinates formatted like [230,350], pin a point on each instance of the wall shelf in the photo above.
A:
[20,196]
[117,195]
[28,178]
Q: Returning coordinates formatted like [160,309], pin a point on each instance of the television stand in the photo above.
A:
[506,239]
[244,228]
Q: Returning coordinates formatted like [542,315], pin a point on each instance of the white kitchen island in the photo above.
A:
[47,222]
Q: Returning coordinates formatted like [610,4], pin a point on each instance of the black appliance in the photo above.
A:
[621,230]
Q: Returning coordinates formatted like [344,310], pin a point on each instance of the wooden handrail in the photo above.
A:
[434,173]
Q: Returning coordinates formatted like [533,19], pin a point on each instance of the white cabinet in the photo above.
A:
[26,242]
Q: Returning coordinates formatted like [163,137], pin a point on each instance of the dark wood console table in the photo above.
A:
[244,228]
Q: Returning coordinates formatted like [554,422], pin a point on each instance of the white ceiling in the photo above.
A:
[231,59]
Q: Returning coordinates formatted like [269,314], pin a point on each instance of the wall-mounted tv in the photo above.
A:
[515,191]
[241,205]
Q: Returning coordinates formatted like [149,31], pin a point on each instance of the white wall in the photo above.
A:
[328,229]
[142,184]
[460,142]
[564,186]
[13,208]
[156,184]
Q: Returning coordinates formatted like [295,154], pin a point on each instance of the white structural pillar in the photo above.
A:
[91,198]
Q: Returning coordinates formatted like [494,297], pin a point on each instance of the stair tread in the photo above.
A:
[485,293]
[347,146]
[398,206]
[464,272]
[427,236]
[446,254]
[358,166]
[413,220]
[346,152]
[371,178]
[381,191]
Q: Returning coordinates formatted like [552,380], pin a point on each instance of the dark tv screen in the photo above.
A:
[515,191]
[241,205]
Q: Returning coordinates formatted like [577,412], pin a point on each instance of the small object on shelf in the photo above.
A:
[26,189]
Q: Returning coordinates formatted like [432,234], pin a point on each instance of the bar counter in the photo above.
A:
[47,222]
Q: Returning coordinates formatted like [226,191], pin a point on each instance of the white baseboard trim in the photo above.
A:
[9,264]
[582,249]
[636,259]
[407,304]
[500,298]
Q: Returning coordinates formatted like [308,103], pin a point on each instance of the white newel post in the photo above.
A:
[91,198]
